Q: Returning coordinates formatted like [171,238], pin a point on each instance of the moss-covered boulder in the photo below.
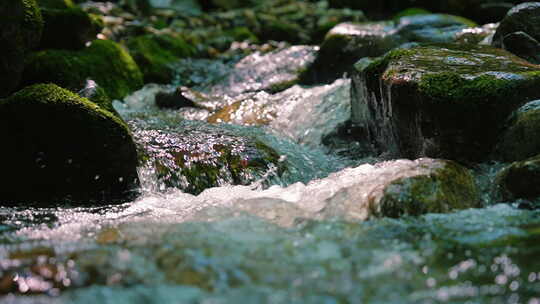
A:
[195,156]
[521,138]
[446,101]
[520,180]
[69,28]
[424,186]
[105,62]
[59,147]
[519,31]
[155,53]
[21,25]
[348,42]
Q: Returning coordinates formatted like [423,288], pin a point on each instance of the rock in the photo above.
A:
[427,186]
[195,156]
[105,62]
[20,31]
[476,35]
[521,139]
[519,180]
[62,148]
[447,101]
[173,100]
[271,72]
[69,28]
[388,189]
[439,28]
[96,94]
[191,7]
[347,43]
[519,31]
[155,54]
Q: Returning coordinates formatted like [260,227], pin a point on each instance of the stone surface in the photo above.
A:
[520,180]
[20,30]
[519,31]
[521,138]
[446,101]
[195,156]
[271,72]
[60,148]
[105,62]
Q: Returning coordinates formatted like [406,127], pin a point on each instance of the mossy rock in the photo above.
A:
[104,61]
[444,101]
[519,31]
[440,28]
[21,25]
[521,138]
[155,53]
[195,156]
[56,4]
[429,186]
[69,28]
[59,147]
[520,180]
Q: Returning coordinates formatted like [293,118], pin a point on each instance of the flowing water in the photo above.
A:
[280,239]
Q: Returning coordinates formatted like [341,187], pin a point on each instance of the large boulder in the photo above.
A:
[59,147]
[446,101]
[20,30]
[69,28]
[519,31]
[105,62]
[521,138]
[348,42]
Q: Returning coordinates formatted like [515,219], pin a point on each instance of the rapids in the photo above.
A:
[282,239]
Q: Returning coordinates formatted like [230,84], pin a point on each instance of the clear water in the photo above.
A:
[280,244]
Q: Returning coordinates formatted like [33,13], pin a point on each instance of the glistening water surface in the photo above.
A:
[278,240]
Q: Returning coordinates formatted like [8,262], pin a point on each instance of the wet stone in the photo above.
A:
[271,72]
[195,156]
[521,138]
[446,101]
[519,180]
[519,31]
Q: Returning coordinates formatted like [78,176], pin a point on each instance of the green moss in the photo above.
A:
[32,24]
[65,147]
[448,188]
[106,62]
[154,54]
[69,28]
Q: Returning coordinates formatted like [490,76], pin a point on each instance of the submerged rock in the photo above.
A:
[305,114]
[155,54]
[520,180]
[69,28]
[521,139]
[445,101]
[106,62]
[60,147]
[519,31]
[388,189]
[20,30]
[271,72]
[195,156]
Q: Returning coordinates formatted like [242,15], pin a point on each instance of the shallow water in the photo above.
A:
[279,240]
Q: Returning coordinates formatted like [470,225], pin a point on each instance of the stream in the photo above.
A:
[280,239]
